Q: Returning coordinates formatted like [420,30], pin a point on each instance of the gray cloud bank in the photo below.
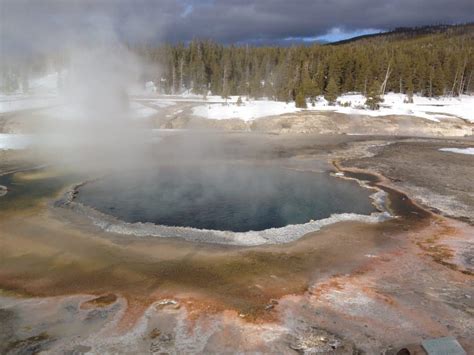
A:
[28,24]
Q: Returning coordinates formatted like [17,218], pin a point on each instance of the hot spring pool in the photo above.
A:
[237,198]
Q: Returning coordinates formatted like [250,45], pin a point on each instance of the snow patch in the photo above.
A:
[433,109]
[71,111]
[150,86]
[469,151]
[160,103]
[141,111]
[14,103]
[47,84]
[248,111]
[44,93]
[14,141]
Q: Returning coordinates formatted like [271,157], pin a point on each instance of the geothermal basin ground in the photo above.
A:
[83,268]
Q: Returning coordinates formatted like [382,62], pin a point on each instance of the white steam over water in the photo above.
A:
[95,125]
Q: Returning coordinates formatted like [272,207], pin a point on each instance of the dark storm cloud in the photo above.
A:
[43,24]
[27,24]
[240,20]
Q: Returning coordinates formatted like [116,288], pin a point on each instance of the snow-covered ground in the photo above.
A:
[55,107]
[14,141]
[43,92]
[46,85]
[160,103]
[45,95]
[433,109]
[138,110]
[247,111]
[14,103]
[72,111]
[469,151]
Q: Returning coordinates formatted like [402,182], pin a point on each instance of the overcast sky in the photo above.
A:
[28,24]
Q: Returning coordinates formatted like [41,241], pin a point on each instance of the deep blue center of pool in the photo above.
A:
[224,197]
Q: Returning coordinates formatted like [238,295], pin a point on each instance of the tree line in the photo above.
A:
[430,65]
[433,63]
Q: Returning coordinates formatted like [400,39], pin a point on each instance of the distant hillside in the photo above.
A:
[410,33]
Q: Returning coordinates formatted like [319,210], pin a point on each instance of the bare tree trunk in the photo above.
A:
[224,84]
[461,82]
[247,79]
[296,78]
[454,83]
[431,84]
[173,80]
[384,84]
[181,75]
[247,71]
[461,86]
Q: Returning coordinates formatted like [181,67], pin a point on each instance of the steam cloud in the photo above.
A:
[95,128]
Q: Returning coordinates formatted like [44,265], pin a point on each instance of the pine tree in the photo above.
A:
[431,64]
[332,91]
[307,84]
[373,96]
[361,71]
[438,82]
[300,100]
